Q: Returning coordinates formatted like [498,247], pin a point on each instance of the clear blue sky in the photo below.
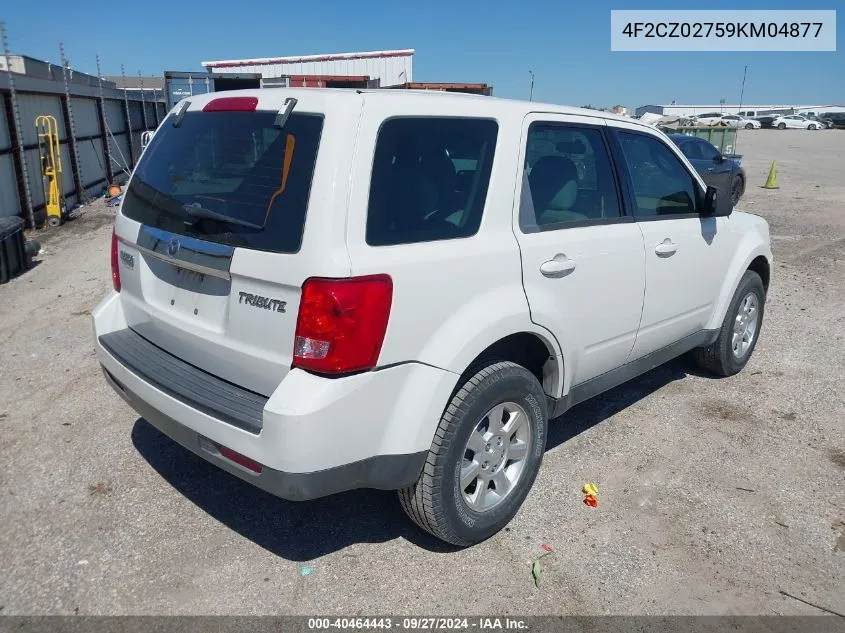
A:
[565,42]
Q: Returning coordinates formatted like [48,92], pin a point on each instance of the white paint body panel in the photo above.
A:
[452,299]
[595,310]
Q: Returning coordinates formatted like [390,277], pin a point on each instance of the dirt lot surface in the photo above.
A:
[715,495]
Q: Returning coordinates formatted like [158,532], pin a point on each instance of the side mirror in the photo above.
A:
[719,159]
[717,204]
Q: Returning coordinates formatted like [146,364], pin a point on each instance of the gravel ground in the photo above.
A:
[715,495]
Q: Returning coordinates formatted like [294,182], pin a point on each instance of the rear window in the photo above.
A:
[228,177]
[430,179]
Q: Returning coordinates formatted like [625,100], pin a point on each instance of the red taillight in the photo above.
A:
[342,323]
[241,460]
[232,104]
[115,263]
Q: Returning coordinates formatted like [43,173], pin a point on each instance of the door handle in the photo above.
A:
[559,266]
[666,248]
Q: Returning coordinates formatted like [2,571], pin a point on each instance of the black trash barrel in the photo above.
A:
[13,256]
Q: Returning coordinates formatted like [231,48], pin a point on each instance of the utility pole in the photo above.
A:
[531,89]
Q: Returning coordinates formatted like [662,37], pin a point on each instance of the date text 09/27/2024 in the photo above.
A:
[418,624]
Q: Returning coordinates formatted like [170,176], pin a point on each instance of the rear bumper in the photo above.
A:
[384,472]
[318,436]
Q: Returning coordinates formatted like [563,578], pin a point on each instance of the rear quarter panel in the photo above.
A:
[452,298]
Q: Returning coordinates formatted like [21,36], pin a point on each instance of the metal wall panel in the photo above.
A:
[120,154]
[9,201]
[47,100]
[85,116]
[151,115]
[92,161]
[5,140]
[67,172]
[115,116]
[33,168]
[33,105]
[136,119]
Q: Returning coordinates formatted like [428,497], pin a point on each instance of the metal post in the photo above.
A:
[17,131]
[101,106]
[143,101]
[82,196]
[531,90]
[741,97]
[129,140]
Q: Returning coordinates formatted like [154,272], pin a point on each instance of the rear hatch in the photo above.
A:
[214,273]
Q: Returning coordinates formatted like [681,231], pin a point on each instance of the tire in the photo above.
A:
[437,502]
[812,126]
[749,126]
[720,358]
[781,126]
[737,189]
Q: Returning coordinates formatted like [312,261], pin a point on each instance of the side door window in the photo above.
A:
[707,151]
[692,150]
[568,179]
[662,186]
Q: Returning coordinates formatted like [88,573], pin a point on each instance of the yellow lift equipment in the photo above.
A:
[51,167]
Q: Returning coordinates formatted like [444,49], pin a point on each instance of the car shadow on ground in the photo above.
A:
[303,531]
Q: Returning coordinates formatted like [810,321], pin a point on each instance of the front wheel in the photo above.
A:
[740,329]
[749,126]
[737,189]
[812,126]
[484,458]
[781,126]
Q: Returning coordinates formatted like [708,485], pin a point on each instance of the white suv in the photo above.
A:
[321,290]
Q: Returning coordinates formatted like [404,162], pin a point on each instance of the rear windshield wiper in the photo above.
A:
[200,213]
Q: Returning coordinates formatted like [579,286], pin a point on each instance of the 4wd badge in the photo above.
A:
[127,259]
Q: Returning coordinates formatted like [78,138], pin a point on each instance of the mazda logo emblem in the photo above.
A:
[173,247]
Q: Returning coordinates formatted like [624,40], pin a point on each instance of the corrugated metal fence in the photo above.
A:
[107,139]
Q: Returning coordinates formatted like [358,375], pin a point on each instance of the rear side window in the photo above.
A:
[430,178]
[692,150]
[228,177]
[708,152]
[568,178]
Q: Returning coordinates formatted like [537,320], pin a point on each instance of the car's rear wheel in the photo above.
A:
[737,189]
[740,329]
[484,457]
[781,126]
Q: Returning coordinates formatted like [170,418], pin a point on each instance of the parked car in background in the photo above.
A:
[836,119]
[708,118]
[732,120]
[825,123]
[717,170]
[796,121]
